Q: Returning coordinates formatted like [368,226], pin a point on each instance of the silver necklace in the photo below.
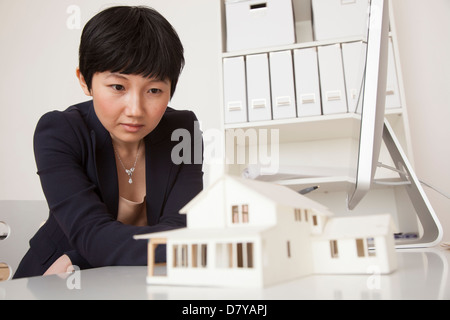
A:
[130,171]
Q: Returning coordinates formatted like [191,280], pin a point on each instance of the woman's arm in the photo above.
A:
[61,265]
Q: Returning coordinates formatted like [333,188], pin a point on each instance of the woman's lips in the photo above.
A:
[132,128]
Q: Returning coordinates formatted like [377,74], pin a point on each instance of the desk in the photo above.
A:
[422,274]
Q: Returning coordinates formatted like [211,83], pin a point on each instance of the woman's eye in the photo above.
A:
[117,87]
[155,90]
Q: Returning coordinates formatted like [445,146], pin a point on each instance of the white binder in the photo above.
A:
[392,88]
[282,82]
[235,97]
[354,58]
[307,82]
[258,88]
[334,99]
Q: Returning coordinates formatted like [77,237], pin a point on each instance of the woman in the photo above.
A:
[106,165]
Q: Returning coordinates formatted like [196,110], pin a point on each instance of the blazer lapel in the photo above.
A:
[105,163]
[158,169]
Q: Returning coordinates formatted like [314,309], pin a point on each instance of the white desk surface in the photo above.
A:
[422,274]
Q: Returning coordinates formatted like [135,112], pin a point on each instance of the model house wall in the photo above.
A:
[356,244]
[287,252]
[213,260]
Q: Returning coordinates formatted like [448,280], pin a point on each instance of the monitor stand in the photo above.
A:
[432,229]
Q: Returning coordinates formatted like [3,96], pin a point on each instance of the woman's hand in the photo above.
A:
[61,265]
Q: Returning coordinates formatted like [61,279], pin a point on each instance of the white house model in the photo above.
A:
[247,233]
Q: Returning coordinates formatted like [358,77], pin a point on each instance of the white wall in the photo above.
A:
[423,30]
[38,57]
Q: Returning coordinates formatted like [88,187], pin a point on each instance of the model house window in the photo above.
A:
[371,245]
[203,256]
[245,213]
[175,256]
[184,256]
[363,246]
[194,253]
[234,255]
[360,248]
[249,255]
[298,214]
[224,255]
[334,249]
[288,244]
[314,218]
[235,214]
[240,258]
[244,255]
[198,255]
[239,216]
[180,255]
[306,215]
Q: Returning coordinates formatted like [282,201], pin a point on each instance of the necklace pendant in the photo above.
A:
[130,174]
[130,171]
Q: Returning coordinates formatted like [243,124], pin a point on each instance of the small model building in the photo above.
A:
[247,233]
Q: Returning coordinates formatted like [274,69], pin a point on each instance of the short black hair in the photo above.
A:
[131,40]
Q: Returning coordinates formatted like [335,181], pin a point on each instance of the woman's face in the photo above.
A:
[128,106]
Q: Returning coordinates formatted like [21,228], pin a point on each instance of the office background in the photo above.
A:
[39,52]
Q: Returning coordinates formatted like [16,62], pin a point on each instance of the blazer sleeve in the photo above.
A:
[96,237]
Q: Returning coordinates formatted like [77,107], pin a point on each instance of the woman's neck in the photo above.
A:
[126,149]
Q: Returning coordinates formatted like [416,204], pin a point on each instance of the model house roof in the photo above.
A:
[358,227]
[276,193]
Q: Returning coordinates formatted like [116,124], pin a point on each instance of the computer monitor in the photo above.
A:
[374,130]
[373,95]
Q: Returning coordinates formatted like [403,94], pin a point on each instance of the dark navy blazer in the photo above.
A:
[76,164]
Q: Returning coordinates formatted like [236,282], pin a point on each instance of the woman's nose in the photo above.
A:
[134,106]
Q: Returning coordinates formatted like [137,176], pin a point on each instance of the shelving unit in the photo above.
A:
[326,140]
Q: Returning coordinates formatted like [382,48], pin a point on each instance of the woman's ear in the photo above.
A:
[83,84]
